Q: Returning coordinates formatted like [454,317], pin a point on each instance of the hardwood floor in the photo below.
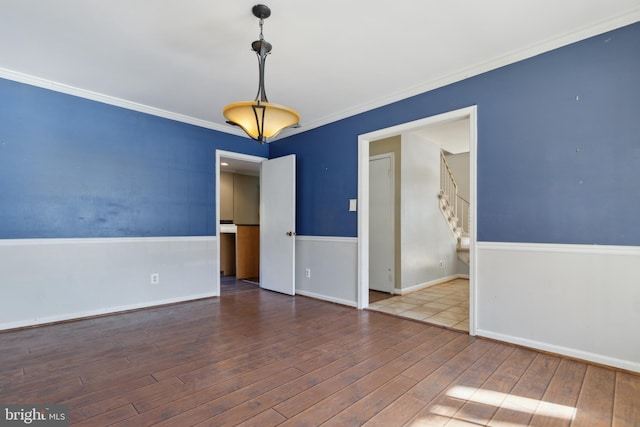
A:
[229,285]
[258,358]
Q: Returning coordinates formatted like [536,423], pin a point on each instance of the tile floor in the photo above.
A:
[446,304]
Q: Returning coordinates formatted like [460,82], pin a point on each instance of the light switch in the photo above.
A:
[353,205]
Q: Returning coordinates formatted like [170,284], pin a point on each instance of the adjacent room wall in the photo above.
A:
[239,198]
[246,200]
[226,197]
[428,247]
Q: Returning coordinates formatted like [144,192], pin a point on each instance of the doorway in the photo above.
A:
[242,164]
[276,195]
[469,113]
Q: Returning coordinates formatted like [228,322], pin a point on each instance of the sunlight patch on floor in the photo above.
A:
[512,402]
[441,414]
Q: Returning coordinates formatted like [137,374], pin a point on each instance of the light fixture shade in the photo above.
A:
[261,120]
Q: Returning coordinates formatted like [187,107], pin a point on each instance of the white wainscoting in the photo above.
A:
[333,263]
[577,300]
[49,280]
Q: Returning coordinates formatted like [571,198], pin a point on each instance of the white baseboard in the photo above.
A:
[404,291]
[559,350]
[100,312]
[326,298]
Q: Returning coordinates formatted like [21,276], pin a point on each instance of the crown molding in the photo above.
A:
[630,17]
[111,100]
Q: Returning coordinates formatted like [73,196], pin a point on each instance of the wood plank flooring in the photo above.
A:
[257,358]
[229,285]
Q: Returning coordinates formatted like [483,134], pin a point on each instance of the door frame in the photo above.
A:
[363,197]
[229,155]
[392,179]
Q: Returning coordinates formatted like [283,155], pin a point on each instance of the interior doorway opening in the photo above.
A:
[238,241]
[272,240]
[468,115]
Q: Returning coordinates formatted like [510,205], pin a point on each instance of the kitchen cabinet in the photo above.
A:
[247,251]
[240,251]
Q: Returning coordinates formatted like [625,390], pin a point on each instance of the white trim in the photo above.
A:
[336,239]
[419,123]
[326,298]
[620,21]
[564,248]
[362,294]
[111,100]
[419,286]
[473,224]
[363,197]
[624,19]
[560,350]
[99,312]
[101,240]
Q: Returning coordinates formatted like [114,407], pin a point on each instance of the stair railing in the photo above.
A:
[449,189]
[463,213]
[448,185]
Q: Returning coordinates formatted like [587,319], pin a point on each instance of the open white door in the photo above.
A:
[277,224]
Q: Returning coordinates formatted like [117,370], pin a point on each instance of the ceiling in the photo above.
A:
[452,136]
[331,59]
[242,167]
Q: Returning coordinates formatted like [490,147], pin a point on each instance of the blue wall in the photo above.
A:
[70,167]
[551,168]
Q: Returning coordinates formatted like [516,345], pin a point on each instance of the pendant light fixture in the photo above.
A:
[261,119]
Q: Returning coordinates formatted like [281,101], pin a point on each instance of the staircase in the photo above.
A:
[455,209]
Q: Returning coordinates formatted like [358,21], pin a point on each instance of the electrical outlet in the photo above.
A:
[307,273]
[155,278]
[441,264]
